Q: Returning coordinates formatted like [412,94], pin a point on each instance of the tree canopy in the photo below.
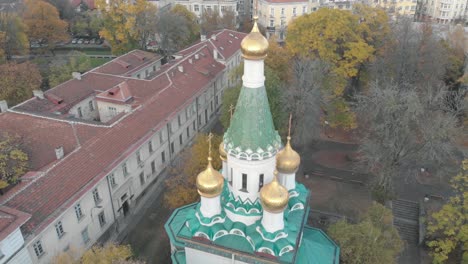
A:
[107,254]
[181,188]
[44,24]
[62,71]
[14,161]
[14,40]
[373,240]
[17,81]
[448,228]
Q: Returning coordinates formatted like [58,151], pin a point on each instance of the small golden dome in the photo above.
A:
[210,181]
[287,160]
[222,152]
[254,46]
[274,196]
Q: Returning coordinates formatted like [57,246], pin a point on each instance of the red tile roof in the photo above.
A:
[93,151]
[10,220]
[127,64]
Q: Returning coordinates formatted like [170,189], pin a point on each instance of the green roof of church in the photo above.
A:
[251,134]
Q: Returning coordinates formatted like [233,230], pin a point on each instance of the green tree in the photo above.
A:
[75,62]
[373,240]
[15,41]
[190,21]
[13,159]
[17,81]
[275,98]
[181,188]
[448,227]
[43,23]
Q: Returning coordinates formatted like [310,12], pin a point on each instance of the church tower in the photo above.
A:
[253,211]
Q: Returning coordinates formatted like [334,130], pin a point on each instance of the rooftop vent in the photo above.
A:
[59,152]
[190,60]
[139,56]
[76,75]
[113,91]
[54,99]
[202,37]
[213,37]
[3,106]
[123,63]
[38,94]
[197,56]
[180,68]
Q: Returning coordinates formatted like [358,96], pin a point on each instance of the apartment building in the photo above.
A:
[198,7]
[97,142]
[443,11]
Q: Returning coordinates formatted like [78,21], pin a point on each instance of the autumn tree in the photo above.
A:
[65,9]
[278,60]
[62,70]
[44,25]
[273,87]
[127,24]
[17,81]
[406,131]
[181,188]
[107,254]
[190,21]
[373,240]
[14,40]
[212,20]
[13,159]
[86,24]
[448,228]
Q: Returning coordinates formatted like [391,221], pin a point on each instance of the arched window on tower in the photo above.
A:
[260,183]
[244,182]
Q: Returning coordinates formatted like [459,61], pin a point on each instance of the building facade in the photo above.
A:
[443,11]
[198,7]
[253,211]
[97,142]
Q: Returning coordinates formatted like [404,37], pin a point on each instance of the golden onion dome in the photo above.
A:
[287,160]
[222,152]
[210,181]
[254,46]
[274,197]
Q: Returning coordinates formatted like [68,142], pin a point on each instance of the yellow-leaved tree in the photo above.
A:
[181,188]
[448,227]
[13,159]
[43,23]
[127,24]
[107,254]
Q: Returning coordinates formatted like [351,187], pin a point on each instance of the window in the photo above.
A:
[187,113]
[194,125]
[125,169]
[294,10]
[197,8]
[112,110]
[138,155]
[180,139]
[282,11]
[169,126]
[272,11]
[142,178]
[78,212]
[112,180]
[91,105]
[161,139]
[260,183]
[96,197]
[153,167]
[244,181]
[59,229]
[138,76]
[188,132]
[80,114]
[179,121]
[304,9]
[150,146]
[102,218]
[163,157]
[172,147]
[272,23]
[85,235]
[230,177]
[38,249]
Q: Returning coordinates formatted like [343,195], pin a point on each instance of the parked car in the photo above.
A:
[93,41]
[74,41]
[99,41]
[86,41]
[80,41]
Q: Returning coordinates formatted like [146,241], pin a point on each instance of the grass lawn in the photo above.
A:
[95,62]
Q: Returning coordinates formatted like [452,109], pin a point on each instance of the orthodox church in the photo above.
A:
[253,211]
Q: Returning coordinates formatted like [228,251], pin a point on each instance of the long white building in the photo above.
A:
[98,141]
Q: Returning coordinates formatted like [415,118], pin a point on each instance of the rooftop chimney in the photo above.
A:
[59,152]
[39,94]
[215,54]
[76,75]
[190,60]
[202,37]
[213,37]
[181,68]
[197,56]
[3,106]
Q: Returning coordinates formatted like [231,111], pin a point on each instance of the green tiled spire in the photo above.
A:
[251,134]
